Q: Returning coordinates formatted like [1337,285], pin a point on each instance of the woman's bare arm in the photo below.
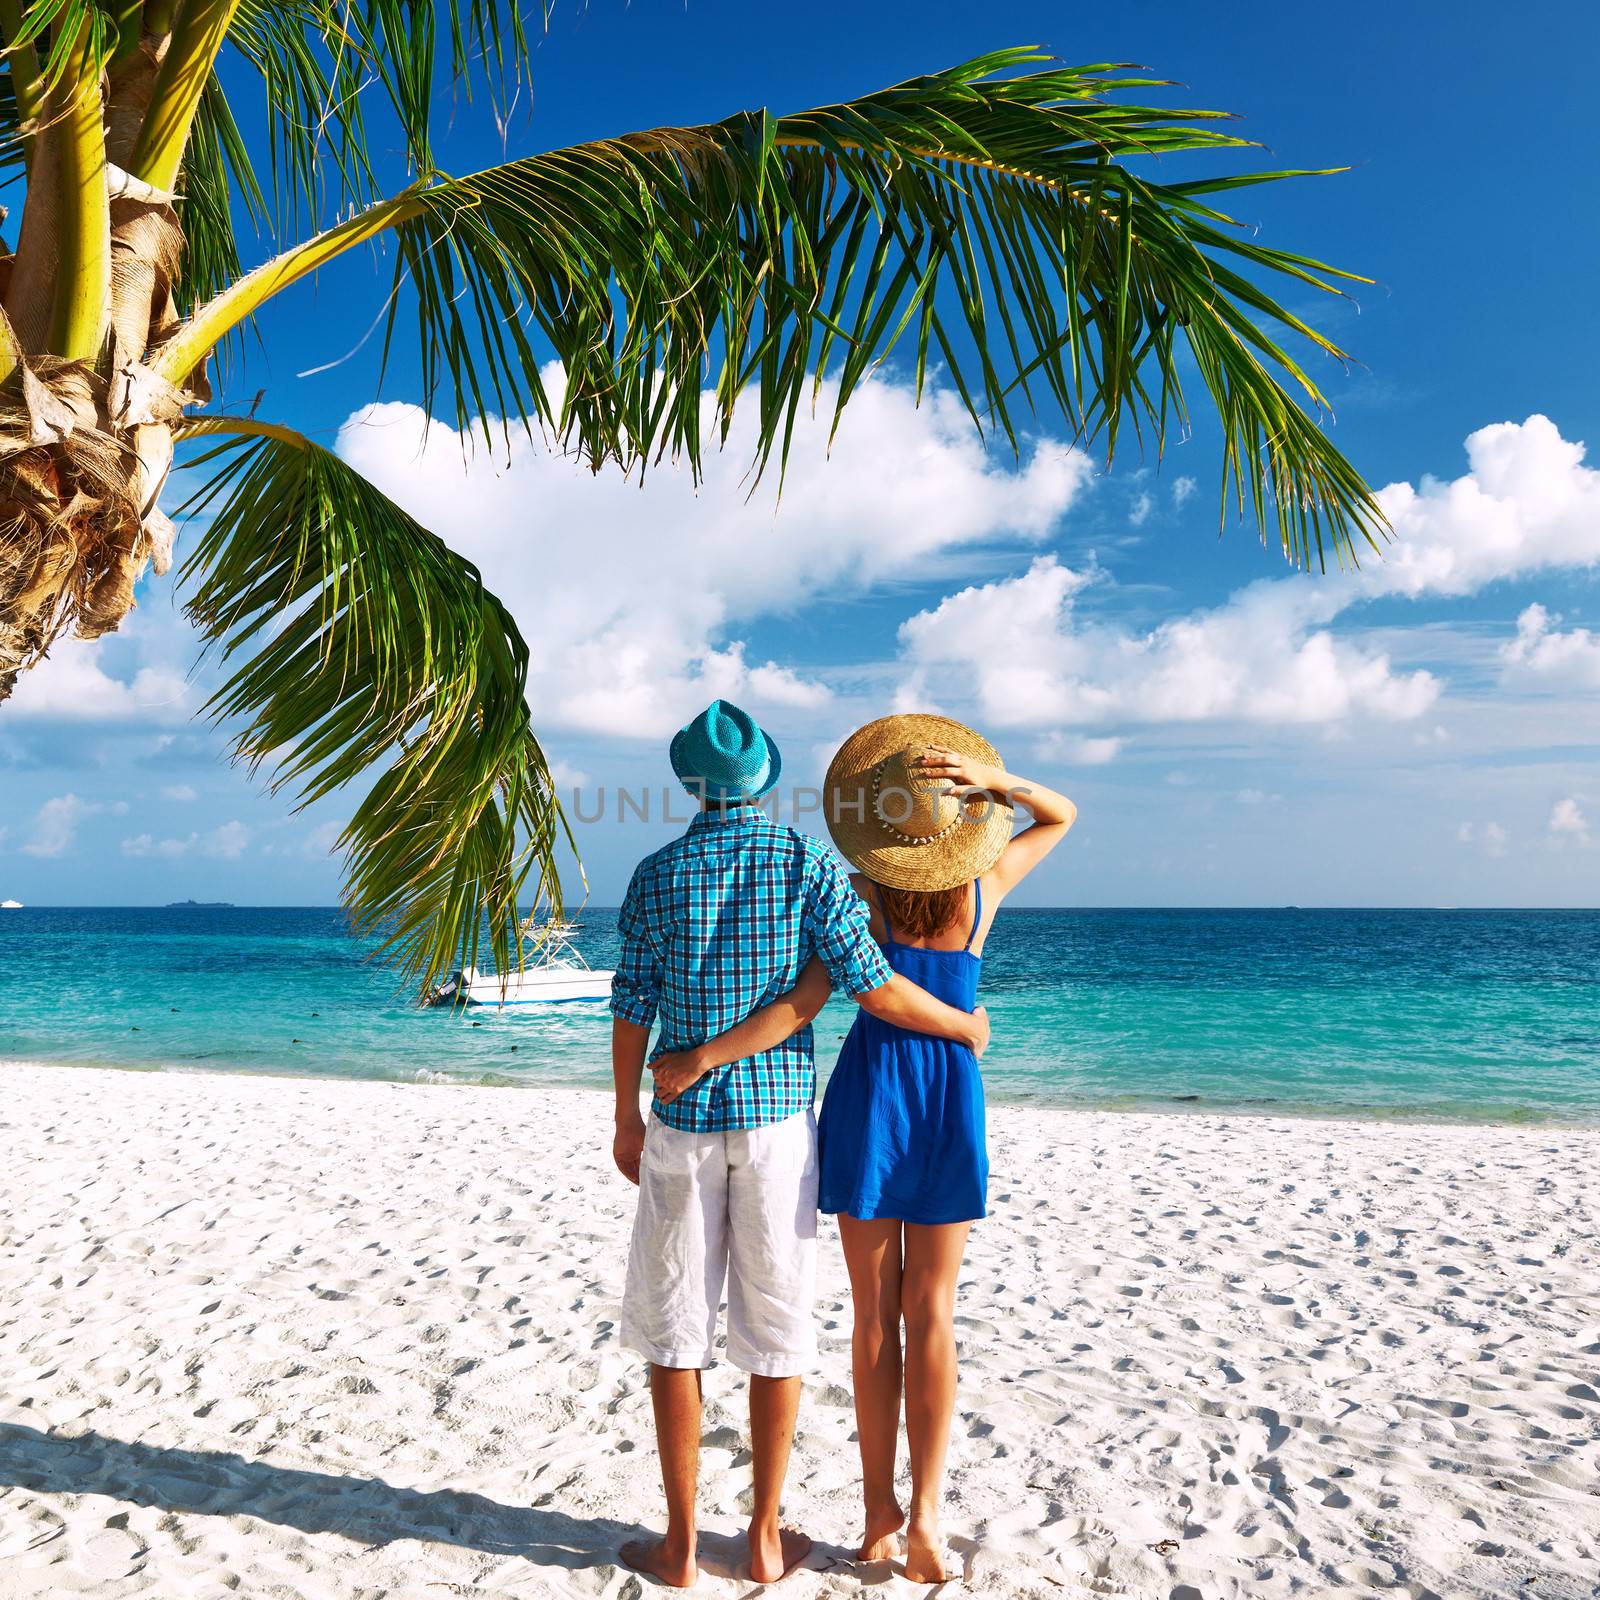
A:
[899,1001]
[761,1030]
[1053,814]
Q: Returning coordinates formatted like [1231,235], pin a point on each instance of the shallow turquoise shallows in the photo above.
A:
[1440,1014]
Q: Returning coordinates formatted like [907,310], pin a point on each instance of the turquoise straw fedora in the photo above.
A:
[724,754]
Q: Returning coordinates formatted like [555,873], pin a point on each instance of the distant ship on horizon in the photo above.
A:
[10,905]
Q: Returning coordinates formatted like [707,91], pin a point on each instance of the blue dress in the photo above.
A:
[902,1127]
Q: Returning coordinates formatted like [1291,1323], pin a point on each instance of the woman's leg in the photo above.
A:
[872,1253]
[928,1302]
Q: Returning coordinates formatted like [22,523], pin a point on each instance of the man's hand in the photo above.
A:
[627,1147]
[677,1071]
[980,1030]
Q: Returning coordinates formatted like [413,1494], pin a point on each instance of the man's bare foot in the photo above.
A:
[925,1555]
[674,1567]
[776,1552]
[881,1540]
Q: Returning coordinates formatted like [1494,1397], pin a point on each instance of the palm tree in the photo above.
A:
[992,218]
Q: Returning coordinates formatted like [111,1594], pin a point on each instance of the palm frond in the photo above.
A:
[64,33]
[315,58]
[13,152]
[358,642]
[998,221]
[216,167]
[489,46]
[312,70]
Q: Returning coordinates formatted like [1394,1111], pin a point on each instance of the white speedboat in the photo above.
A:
[557,976]
[10,905]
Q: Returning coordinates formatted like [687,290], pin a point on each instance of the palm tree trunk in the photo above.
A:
[86,422]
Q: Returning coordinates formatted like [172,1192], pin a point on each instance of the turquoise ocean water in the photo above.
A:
[1439,1014]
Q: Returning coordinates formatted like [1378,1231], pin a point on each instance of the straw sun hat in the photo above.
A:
[900,828]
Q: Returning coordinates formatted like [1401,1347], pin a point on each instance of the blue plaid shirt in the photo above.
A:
[717,924]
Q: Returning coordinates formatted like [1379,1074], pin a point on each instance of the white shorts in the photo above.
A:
[740,1206]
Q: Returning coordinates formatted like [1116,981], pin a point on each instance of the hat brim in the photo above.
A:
[859,834]
[702,787]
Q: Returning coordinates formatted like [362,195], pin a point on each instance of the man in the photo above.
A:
[715,925]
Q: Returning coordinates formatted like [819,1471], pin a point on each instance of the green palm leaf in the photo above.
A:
[997,220]
[216,166]
[1002,217]
[316,58]
[355,639]
[311,68]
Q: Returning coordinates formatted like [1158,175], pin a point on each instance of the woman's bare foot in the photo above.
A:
[925,1555]
[776,1552]
[881,1540]
[674,1567]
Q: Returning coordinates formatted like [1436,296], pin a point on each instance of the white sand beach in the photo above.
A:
[287,1338]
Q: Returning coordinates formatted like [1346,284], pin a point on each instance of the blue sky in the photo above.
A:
[1422,733]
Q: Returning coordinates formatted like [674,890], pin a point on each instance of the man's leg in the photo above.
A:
[772,1267]
[774,1549]
[676,1268]
[675,1397]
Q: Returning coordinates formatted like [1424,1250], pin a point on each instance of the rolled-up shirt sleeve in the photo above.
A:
[636,985]
[838,927]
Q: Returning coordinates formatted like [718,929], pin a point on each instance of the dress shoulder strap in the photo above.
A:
[977,912]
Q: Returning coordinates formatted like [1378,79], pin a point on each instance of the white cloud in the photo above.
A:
[230,841]
[181,793]
[1569,660]
[1258,797]
[55,825]
[565,776]
[71,684]
[634,597]
[1567,824]
[1031,661]
[227,842]
[779,686]
[1268,654]
[1491,838]
[1527,505]
[317,845]
[1142,507]
[323,840]
[1079,752]
[146,844]
[1182,488]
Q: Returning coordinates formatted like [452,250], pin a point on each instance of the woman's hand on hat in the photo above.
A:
[961,772]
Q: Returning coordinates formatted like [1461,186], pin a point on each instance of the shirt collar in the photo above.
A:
[726,817]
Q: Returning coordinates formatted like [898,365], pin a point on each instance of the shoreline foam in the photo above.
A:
[1431,1114]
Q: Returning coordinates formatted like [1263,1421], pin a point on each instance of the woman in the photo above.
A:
[923,807]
